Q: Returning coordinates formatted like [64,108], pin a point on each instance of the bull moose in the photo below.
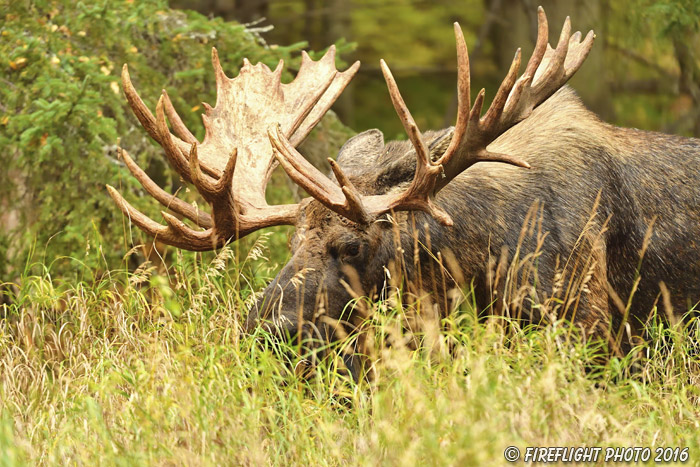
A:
[612,212]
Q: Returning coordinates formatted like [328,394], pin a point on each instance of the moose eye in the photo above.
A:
[351,250]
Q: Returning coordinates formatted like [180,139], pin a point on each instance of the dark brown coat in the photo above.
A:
[573,226]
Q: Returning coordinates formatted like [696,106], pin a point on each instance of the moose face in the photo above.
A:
[333,261]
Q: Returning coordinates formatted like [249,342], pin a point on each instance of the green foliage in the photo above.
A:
[136,369]
[430,23]
[63,113]
[674,15]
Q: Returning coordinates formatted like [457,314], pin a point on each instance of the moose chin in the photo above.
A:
[609,212]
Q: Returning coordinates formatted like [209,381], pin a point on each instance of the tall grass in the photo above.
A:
[151,367]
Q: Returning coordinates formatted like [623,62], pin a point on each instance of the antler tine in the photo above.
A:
[475,113]
[470,137]
[423,184]
[178,126]
[205,186]
[580,52]
[499,101]
[142,113]
[219,74]
[194,240]
[298,168]
[463,95]
[540,44]
[524,83]
[210,190]
[156,126]
[548,81]
[352,196]
[172,151]
[329,57]
[548,69]
[177,160]
[314,116]
[343,199]
[405,116]
[201,218]
[146,118]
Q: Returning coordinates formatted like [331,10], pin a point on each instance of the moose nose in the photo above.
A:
[268,315]
[282,330]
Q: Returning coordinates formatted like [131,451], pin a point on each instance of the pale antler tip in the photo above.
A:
[126,78]
[440,215]
[384,67]
[172,220]
[273,132]
[353,68]
[117,197]
[459,34]
[567,25]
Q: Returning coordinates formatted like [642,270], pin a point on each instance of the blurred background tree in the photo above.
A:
[642,72]
[62,113]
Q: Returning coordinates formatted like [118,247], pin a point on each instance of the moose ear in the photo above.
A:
[362,150]
[438,142]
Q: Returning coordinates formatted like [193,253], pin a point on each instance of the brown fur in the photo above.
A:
[598,202]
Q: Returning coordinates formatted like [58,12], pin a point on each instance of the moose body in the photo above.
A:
[589,178]
[537,203]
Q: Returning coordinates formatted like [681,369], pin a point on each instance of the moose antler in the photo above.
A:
[547,70]
[230,168]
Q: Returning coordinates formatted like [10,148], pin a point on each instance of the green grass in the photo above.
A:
[146,368]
